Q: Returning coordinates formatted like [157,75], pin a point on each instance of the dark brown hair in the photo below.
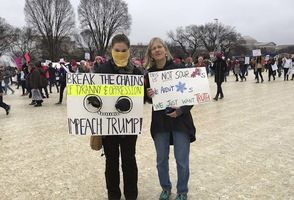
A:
[120,38]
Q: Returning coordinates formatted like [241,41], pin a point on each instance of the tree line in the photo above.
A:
[51,31]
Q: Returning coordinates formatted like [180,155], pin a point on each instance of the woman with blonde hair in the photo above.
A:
[173,126]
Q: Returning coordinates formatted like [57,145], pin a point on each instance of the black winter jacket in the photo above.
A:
[219,67]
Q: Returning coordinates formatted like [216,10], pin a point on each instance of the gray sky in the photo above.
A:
[264,20]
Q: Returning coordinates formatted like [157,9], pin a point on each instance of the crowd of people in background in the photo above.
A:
[37,80]
[174,125]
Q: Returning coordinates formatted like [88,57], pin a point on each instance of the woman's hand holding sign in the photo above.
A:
[172,111]
[150,92]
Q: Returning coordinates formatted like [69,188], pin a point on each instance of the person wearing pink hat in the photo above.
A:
[97,63]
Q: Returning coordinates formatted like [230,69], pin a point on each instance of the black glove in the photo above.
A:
[123,105]
[94,101]
[169,110]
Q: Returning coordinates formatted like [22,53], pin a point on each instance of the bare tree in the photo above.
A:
[180,39]
[85,41]
[53,20]
[187,38]
[138,51]
[228,37]
[25,41]
[6,36]
[104,18]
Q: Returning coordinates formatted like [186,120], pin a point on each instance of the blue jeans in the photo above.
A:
[181,153]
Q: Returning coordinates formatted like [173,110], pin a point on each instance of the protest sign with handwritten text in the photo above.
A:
[105,104]
[178,87]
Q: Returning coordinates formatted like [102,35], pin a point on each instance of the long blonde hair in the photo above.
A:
[148,60]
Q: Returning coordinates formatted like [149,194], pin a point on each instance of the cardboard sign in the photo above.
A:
[105,104]
[179,87]
[247,60]
[256,52]
[275,67]
[87,56]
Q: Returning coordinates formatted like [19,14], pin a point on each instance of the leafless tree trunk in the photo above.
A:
[104,19]
[53,20]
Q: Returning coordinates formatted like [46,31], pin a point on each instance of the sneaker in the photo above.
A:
[164,195]
[181,197]
[58,103]
[8,110]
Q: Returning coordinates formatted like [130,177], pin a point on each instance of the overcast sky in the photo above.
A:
[264,20]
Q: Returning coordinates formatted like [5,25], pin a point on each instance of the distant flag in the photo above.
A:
[27,57]
[18,62]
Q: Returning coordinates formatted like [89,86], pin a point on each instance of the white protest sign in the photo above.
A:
[87,56]
[275,67]
[247,60]
[47,62]
[179,87]
[105,104]
[256,52]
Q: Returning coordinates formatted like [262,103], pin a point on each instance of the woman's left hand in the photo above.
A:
[173,114]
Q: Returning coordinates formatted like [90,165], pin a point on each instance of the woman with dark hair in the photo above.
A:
[171,126]
[126,145]
[35,84]
[219,67]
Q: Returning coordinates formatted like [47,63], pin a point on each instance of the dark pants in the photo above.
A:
[237,79]
[286,76]
[51,84]
[113,145]
[259,72]
[46,92]
[219,90]
[2,104]
[271,73]
[23,86]
[279,71]
[62,87]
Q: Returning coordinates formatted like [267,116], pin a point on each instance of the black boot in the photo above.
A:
[39,103]
[8,109]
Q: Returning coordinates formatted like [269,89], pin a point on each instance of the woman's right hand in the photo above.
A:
[150,92]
